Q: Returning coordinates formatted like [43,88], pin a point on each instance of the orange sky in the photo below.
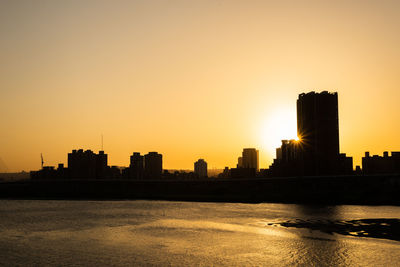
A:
[192,79]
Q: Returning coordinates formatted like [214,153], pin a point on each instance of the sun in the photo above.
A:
[278,125]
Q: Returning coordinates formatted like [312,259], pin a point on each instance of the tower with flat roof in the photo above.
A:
[136,166]
[318,130]
[200,168]
[153,165]
[250,158]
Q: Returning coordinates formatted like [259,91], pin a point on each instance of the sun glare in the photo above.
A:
[279,125]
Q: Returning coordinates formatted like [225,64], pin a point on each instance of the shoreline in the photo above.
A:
[329,190]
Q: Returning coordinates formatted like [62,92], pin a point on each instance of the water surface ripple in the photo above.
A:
[162,233]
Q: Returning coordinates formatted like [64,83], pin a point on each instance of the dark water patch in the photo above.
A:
[375,228]
[319,238]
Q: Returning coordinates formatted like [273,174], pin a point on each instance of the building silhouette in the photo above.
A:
[200,168]
[247,166]
[62,172]
[287,162]
[241,173]
[136,167]
[153,165]
[47,172]
[226,173]
[87,165]
[381,164]
[240,162]
[318,130]
[317,150]
[101,164]
[249,159]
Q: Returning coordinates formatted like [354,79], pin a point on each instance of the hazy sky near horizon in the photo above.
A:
[192,79]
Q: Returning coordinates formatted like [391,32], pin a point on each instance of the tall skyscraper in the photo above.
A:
[200,168]
[250,158]
[317,150]
[318,130]
[153,165]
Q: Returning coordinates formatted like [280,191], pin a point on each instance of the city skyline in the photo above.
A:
[298,138]
[316,152]
[199,132]
[192,80]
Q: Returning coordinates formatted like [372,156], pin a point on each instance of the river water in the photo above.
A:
[162,233]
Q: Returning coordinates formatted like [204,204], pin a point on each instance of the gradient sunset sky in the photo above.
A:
[192,79]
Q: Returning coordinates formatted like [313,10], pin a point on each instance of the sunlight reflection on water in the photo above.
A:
[184,233]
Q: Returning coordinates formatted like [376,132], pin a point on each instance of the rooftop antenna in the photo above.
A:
[41,157]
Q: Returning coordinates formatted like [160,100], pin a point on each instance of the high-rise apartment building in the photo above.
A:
[317,150]
[153,165]
[200,168]
[136,167]
[318,130]
[250,158]
[86,164]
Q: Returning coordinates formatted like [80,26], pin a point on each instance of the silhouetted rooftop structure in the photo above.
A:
[381,164]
